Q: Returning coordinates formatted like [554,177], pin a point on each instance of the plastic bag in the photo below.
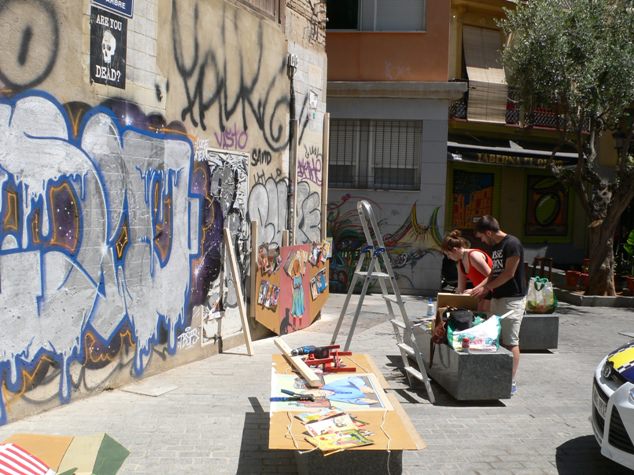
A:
[482,337]
[541,296]
[452,328]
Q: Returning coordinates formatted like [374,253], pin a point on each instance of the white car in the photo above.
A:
[613,405]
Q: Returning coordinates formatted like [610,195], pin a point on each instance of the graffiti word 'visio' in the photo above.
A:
[232,138]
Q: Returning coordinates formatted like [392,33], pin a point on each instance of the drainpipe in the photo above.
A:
[292,153]
[325,149]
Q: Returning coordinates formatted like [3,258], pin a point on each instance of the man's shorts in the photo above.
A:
[510,335]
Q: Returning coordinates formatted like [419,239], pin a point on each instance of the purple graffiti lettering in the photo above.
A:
[232,138]
[310,167]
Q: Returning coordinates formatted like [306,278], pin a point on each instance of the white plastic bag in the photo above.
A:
[541,296]
[482,337]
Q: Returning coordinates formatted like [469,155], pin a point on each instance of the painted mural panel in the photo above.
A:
[472,195]
[546,207]
[408,242]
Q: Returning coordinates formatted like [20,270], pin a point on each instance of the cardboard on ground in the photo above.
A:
[50,449]
[80,455]
[457,300]
[391,429]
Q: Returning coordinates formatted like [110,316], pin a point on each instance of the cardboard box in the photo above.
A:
[457,300]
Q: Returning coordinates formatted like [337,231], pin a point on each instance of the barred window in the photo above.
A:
[383,154]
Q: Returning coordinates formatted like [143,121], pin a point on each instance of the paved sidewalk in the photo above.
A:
[216,420]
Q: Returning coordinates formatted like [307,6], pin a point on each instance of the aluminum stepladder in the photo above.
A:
[380,268]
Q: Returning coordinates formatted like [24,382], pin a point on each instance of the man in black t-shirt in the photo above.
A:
[506,282]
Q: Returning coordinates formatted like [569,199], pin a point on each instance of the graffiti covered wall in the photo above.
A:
[96,236]
[113,199]
[230,82]
[412,241]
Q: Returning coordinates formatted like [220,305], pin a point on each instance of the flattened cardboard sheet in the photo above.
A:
[50,449]
[391,429]
[94,454]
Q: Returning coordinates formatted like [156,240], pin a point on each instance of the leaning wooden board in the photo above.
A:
[287,433]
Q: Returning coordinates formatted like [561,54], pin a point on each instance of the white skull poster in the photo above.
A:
[108,33]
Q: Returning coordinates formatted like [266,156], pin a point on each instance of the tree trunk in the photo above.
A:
[601,260]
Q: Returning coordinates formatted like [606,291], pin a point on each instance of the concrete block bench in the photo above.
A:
[468,376]
[539,331]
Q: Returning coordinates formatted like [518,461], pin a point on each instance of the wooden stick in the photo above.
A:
[307,373]
[255,252]
[238,286]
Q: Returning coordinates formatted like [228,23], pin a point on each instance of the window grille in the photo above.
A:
[376,154]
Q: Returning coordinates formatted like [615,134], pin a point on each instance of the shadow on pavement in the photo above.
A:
[443,398]
[255,456]
[582,455]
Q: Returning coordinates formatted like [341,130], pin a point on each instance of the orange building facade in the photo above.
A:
[388,98]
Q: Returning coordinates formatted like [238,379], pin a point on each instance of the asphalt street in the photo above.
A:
[213,419]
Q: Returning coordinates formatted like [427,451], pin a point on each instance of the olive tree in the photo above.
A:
[577,57]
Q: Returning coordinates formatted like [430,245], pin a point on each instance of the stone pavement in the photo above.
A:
[216,422]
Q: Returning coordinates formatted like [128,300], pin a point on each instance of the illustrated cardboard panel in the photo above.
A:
[294,302]
[267,286]
[292,285]
[343,391]
[319,287]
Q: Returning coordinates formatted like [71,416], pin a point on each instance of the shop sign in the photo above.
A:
[121,7]
[108,38]
[510,159]
[516,160]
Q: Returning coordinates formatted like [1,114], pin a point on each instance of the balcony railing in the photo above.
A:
[539,117]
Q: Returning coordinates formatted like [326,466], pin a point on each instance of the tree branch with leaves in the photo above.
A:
[577,57]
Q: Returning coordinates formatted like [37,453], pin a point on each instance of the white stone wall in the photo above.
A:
[417,215]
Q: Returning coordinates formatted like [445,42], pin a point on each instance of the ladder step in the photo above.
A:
[381,275]
[414,372]
[398,324]
[392,299]
[407,349]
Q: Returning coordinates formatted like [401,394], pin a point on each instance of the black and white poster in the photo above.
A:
[108,33]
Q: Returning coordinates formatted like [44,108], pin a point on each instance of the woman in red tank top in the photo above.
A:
[473,264]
